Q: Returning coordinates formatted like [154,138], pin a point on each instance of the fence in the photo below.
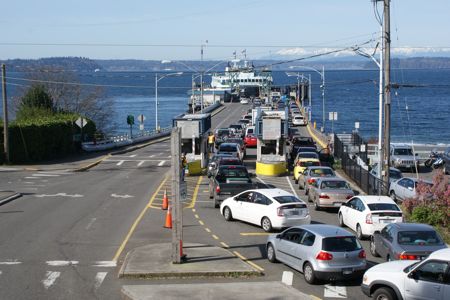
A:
[349,152]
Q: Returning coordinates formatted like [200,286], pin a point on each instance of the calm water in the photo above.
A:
[421,113]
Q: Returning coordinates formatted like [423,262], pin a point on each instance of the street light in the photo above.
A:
[304,78]
[322,88]
[156,94]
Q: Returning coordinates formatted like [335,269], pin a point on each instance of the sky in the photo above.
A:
[176,29]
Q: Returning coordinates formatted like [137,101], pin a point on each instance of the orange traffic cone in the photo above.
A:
[168,223]
[165,203]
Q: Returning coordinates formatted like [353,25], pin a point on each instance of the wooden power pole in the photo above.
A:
[177,209]
[5,116]
[387,92]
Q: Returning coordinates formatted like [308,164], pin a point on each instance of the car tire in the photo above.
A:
[266,224]
[384,293]
[227,214]
[316,206]
[271,253]
[393,196]
[216,203]
[341,220]
[373,249]
[359,233]
[308,273]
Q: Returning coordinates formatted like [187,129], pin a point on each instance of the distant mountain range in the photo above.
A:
[82,64]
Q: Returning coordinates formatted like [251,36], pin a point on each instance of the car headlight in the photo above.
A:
[365,279]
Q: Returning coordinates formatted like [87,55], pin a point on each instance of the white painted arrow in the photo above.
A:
[121,196]
[60,195]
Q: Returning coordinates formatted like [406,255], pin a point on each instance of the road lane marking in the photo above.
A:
[99,279]
[121,196]
[254,233]
[120,163]
[195,194]
[90,223]
[50,279]
[262,181]
[31,177]
[45,175]
[161,163]
[201,222]
[196,216]
[207,229]
[141,163]
[224,244]
[61,263]
[292,188]
[333,291]
[10,263]
[136,222]
[59,195]
[153,155]
[193,209]
[105,264]
[247,261]
[215,237]
[133,155]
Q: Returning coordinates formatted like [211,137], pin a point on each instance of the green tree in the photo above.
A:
[37,97]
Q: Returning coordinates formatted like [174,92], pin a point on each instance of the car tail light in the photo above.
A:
[311,181]
[349,197]
[280,211]
[369,219]
[324,196]
[322,255]
[405,256]
[362,254]
[218,189]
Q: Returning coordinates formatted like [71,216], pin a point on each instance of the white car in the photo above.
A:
[268,208]
[244,101]
[298,120]
[367,214]
[405,188]
[407,280]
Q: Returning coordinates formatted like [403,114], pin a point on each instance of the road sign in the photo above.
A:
[333,116]
[141,118]
[357,125]
[81,122]
[130,120]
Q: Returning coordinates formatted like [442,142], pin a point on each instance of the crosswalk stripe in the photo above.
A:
[99,279]
[105,263]
[161,163]
[45,175]
[120,163]
[141,163]
[62,263]
[50,279]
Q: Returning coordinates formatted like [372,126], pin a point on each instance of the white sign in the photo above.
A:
[357,125]
[81,122]
[271,129]
[141,126]
[333,115]
[362,148]
[141,118]
[190,129]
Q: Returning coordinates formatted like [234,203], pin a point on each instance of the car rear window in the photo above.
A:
[322,172]
[230,161]
[335,184]
[286,199]
[227,148]
[308,155]
[383,206]
[340,244]
[230,172]
[422,238]
[309,163]
[223,132]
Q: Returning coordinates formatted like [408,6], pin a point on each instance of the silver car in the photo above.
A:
[311,174]
[329,192]
[321,252]
[405,188]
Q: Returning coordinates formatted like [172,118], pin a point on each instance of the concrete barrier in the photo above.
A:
[276,168]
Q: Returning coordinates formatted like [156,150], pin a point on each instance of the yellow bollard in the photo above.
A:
[314,124]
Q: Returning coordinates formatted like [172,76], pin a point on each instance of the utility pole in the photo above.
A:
[5,116]
[387,90]
[177,209]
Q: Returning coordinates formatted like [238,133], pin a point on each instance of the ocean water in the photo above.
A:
[420,113]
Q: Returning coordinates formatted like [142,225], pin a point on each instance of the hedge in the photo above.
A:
[43,138]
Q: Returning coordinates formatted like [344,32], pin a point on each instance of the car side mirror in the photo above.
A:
[412,275]
[278,236]
[417,154]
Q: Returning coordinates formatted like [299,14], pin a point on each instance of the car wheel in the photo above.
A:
[308,273]
[216,203]
[341,220]
[227,214]
[211,195]
[393,196]
[359,233]
[316,206]
[271,253]
[266,224]
[384,293]
[373,249]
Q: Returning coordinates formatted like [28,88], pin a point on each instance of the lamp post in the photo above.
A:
[322,88]
[156,94]
[299,76]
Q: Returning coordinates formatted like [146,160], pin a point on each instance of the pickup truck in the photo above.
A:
[228,181]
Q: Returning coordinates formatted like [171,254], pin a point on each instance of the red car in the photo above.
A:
[250,140]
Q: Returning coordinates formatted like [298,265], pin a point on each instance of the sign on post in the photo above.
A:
[81,122]
[332,116]
[141,118]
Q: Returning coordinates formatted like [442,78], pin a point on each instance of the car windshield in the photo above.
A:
[383,206]
[236,126]
[250,130]
[334,184]
[223,132]
[308,155]
[237,141]
[321,172]
[421,238]
[395,174]
[309,163]
[286,199]
[230,162]
[403,151]
[227,148]
[341,244]
[232,173]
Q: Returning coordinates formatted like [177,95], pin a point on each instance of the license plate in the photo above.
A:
[295,213]
[337,204]
[347,271]
[408,166]
[386,221]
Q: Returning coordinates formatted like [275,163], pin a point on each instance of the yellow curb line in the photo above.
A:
[136,222]
[315,297]
[194,196]
[208,230]
[225,245]
[322,144]
[215,237]
[247,261]
[86,167]
[196,216]
[201,222]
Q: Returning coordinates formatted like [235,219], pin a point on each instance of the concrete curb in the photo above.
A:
[10,198]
